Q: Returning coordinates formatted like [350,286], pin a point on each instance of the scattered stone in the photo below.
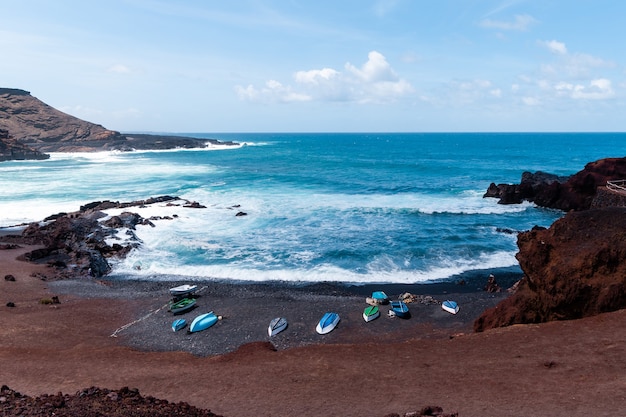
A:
[9,277]
[10,304]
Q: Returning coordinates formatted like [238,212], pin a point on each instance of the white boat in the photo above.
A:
[327,323]
[276,326]
[370,313]
[450,306]
[183,290]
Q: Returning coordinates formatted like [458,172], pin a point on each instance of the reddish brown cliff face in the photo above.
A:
[574,269]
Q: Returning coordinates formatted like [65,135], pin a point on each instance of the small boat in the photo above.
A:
[203,322]
[327,323]
[277,325]
[181,306]
[400,309]
[450,306]
[183,290]
[370,313]
[178,324]
[380,297]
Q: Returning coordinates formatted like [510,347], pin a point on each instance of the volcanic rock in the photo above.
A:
[37,127]
[11,150]
[574,269]
[577,192]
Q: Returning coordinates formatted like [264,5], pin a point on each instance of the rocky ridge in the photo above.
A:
[577,267]
[576,192]
[29,128]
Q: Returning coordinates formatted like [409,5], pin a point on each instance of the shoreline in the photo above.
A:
[247,308]
[352,371]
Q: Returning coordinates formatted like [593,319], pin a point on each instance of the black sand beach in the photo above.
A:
[247,308]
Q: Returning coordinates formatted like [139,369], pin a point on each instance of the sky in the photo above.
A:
[322,66]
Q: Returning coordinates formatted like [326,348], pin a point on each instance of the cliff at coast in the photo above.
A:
[577,267]
[29,128]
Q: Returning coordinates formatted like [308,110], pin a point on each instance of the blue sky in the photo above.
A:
[318,66]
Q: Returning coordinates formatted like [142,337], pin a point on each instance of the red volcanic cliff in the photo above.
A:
[564,193]
[574,269]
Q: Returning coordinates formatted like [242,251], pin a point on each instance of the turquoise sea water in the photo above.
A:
[365,208]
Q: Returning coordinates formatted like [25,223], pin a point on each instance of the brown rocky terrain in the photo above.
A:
[29,128]
[574,269]
[576,192]
[11,150]
[40,126]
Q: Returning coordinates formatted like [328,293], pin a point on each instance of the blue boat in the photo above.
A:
[203,322]
[327,323]
[399,309]
[178,324]
[380,297]
[450,306]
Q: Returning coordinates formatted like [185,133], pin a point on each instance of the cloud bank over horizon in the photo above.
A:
[271,66]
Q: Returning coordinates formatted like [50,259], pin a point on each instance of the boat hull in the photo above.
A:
[450,306]
[203,322]
[179,324]
[400,309]
[371,313]
[276,326]
[380,297]
[183,290]
[328,323]
[182,306]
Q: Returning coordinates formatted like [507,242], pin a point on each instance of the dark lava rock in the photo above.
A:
[94,401]
[564,193]
[574,269]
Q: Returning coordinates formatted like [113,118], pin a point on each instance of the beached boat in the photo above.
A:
[380,297]
[400,309]
[181,306]
[203,322]
[370,313]
[178,324]
[327,323]
[450,306]
[277,325]
[183,290]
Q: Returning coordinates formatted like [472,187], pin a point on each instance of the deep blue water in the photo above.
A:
[401,208]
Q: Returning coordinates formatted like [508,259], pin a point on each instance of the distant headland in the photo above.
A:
[30,129]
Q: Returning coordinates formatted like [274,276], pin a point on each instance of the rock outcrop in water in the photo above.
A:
[576,192]
[77,244]
[574,269]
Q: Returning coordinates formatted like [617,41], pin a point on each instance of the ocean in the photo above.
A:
[399,208]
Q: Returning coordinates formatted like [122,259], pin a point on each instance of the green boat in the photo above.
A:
[370,313]
[182,306]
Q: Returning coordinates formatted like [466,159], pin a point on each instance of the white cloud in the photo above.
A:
[521,22]
[598,89]
[555,47]
[374,82]
[531,101]
[315,76]
[119,69]
[273,91]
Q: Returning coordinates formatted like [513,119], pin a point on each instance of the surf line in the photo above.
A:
[126,326]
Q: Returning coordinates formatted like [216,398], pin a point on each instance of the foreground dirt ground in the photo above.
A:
[574,368]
